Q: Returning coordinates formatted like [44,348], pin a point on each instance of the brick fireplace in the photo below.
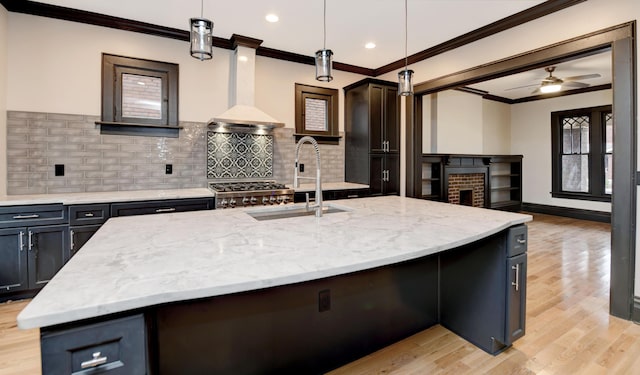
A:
[466,188]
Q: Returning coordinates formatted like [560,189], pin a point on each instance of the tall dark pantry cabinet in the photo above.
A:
[372,135]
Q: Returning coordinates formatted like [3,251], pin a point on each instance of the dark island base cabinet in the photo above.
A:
[117,346]
[478,291]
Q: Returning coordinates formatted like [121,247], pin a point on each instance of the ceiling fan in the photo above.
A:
[554,84]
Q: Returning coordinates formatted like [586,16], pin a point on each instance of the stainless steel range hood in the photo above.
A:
[243,112]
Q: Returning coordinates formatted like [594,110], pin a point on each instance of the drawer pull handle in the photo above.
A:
[521,241]
[20,217]
[159,210]
[96,361]
[517,282]
[88,214]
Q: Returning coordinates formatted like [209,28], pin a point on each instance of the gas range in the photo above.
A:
[250,193]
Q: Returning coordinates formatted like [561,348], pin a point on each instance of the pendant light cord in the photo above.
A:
[406,59]
[324,42]
[201,8]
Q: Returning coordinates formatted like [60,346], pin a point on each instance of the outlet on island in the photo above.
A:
[324,300]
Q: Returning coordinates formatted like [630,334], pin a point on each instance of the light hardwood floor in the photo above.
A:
[569,329]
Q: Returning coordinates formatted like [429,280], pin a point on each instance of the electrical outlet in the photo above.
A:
[59,169]
[301,167]
[168,169]
[324,300]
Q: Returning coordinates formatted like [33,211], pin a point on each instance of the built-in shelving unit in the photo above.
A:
[503,184]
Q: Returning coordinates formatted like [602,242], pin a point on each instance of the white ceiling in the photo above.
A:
[507,87]
[350,24]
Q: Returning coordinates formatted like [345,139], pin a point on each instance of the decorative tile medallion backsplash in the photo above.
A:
[239,155]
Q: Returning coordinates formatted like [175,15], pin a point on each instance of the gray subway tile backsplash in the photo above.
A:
[95,163]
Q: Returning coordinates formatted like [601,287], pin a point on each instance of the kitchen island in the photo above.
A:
[221,289]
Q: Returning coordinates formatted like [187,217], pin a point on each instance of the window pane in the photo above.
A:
[575,173]
[608,174]
[141,96]
[608,132]
[575,135]
[315,114]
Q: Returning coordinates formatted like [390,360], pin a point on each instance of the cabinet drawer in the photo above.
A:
[161,206]
[88,214]
[113,347]
[517,240]
[25,216]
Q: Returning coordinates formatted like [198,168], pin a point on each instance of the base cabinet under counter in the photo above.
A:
[117,346]
[161,206]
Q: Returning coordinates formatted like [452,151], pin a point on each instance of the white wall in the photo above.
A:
[459,124]
[3,98]
[531,137]
[464,123]
[63,74]
[496,128]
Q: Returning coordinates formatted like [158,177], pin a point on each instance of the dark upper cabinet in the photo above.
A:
[372,135]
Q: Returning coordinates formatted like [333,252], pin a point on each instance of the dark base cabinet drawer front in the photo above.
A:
[25,216]
[113,347]
[160,207]
[88,214]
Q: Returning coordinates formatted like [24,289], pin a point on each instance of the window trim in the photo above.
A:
[112,121]
[596,154]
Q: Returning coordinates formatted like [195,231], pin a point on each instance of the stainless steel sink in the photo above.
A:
[284,212]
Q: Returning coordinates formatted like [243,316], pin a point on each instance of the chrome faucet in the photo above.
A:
[317,206]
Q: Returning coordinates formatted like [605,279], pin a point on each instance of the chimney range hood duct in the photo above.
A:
[243,113]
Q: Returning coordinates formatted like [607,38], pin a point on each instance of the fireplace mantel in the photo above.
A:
[494,181]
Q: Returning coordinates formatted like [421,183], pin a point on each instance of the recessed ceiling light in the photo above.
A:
[370,45]
[271,18]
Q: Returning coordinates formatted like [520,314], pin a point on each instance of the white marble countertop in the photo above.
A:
[104,197]
[134,262]
[331,186]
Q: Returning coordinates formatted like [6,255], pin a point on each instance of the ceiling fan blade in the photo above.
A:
[580,78]
[523,87]
[576,84]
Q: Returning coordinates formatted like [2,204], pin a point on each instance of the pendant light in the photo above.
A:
[201,36]
[405,87]
[324,57]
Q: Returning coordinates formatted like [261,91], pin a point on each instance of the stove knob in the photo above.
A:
[223,203]
[265,200]
[253,200]
[245,201]
[272,200]
[279,200]
[286,199]
[232,202]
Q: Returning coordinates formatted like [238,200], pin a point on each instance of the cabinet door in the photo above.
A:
[78,236]
[48,251]
[376,165]
[13,260]
[516,298]
[392,119]
[376,118]
[392,166]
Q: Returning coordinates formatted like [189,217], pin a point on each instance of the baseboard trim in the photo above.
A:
[575,213]
[635,314]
